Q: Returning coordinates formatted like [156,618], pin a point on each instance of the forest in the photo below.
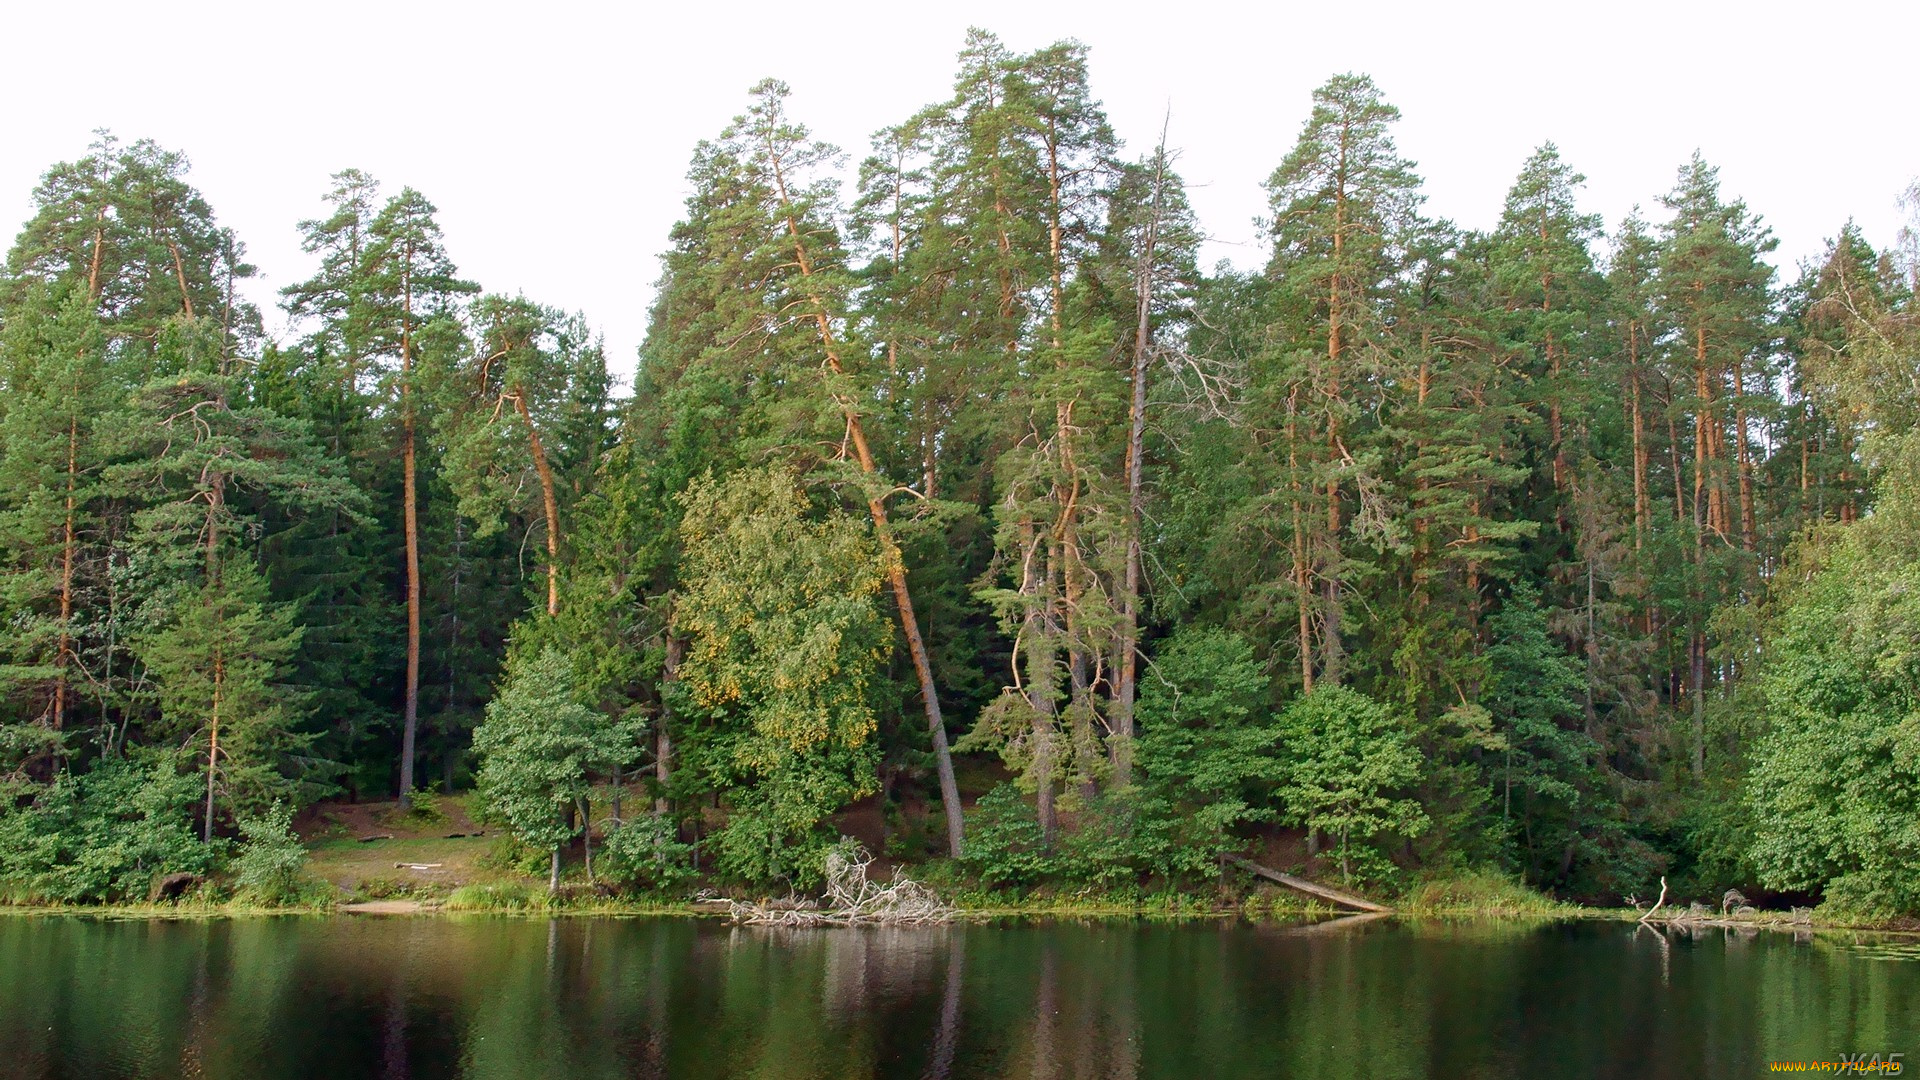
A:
[950,484]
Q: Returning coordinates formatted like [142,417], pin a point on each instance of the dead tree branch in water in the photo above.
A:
[853,900]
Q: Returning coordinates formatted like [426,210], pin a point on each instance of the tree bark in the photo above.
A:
[1742,457]
[180,274]
[547,501]
[1641,519]
[883,532]
[1037,639]
[1128,658]
[411,514]
[662,732]
[68,547]
[1330,647]
[213,742]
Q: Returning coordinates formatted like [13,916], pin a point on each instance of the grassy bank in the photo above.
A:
[374,859]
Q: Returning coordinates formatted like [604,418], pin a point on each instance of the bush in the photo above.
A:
[271,866]
[1005,846]
[104,836]
[505,852]
[646,851]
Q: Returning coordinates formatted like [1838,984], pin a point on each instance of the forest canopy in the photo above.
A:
[952,484]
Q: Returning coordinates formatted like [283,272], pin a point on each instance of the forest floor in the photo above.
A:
[376,852]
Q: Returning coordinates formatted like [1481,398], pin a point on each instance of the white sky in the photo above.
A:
[554,137]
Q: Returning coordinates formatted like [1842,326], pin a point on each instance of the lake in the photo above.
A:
[578,998]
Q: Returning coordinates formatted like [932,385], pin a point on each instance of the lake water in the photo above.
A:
[585,998]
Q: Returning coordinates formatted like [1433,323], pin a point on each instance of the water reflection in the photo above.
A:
[501,998]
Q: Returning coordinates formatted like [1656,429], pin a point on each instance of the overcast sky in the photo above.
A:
[554,136]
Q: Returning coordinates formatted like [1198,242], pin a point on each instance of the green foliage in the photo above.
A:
[1520,503]
[1005,846]
[1209,755]
[217,662]
[270,866]
[104,836]
[784,641]
[646,851]
[1834,790]
[1546,775]
[1347,757]
[1478,893]
[495,896]
[539,747]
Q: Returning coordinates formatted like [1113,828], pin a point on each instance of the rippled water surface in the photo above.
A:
[486,997]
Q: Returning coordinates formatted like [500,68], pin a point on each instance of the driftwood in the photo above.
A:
[418,865]
[1648,914]
[851,899]
[1330,895]
[1699,915]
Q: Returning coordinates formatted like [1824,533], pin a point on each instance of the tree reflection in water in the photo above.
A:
[508,998]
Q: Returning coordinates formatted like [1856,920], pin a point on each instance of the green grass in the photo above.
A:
[1485,895]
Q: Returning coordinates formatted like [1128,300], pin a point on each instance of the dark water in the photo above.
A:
[481,997]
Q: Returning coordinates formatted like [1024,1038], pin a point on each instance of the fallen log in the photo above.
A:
[418,865]
[1313,889]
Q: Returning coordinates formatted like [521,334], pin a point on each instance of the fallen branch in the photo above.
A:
[1311,888]
[1656,903]
[851,899]
[418,865]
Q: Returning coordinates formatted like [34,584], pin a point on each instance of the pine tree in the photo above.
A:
[124,220]
[1343,201]
[1715,289]
[215,643]
[506,401]
[56,386]
[410,281]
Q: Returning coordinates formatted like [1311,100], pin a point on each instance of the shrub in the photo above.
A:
[1005,846]
[646,851]
[271,866]
[104,836]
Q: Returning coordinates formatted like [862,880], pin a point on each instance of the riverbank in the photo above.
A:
[375,860]
[533,902]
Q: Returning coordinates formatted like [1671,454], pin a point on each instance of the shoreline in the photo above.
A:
[1105,912]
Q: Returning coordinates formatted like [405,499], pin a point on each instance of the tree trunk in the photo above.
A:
[99,240]
[1330,649]
[547,502]
[1302,574]
[411,514]
[662,733]
[213,742]
[1641,518]
[553,872]
[1744,459]
[883,532]
[68,547]
[1127,653]
[1037,639]
[180,274]
[586,834]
